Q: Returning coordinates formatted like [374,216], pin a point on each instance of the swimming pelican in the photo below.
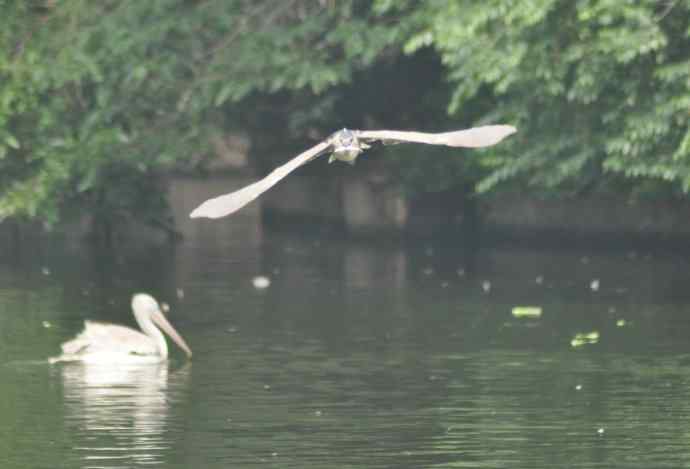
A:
[346,145]
[107,343]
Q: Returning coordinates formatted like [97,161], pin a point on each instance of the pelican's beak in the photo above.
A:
[166,327]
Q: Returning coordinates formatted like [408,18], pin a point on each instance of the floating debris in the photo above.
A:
[47,325]
[578,387]
[526,312]
[539,280]
[180,293]
[428,271]
[587,338]
[45,271]
[165,307]
[595,284]
[621,323]
[486,286]
[260,282]
[461,272]
[600,431]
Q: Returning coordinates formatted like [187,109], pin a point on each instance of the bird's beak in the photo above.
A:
[163,323]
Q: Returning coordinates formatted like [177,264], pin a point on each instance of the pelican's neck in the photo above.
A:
[150,329]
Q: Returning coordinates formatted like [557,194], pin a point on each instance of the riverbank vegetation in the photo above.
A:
[98,98]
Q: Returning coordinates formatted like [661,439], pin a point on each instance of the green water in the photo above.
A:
[357,355]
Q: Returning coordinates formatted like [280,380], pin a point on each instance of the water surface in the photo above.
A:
[358,355]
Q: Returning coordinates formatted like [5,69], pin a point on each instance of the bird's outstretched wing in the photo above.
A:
[476,137]
[471,138]
[229,203]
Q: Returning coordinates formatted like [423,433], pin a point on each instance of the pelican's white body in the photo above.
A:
[114,344]
[110,343]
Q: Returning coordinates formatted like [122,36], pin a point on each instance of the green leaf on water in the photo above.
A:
[584,338]
[526,311]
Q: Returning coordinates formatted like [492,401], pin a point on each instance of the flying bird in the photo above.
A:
[109,343]
[346,145]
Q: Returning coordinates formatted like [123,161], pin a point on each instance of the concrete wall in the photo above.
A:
[593,216]
[371,203]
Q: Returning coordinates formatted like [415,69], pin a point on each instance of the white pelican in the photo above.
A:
[107,343]
[346,145]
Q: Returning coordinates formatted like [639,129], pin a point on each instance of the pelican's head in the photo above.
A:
[148,312]
[346,146]
[144,303]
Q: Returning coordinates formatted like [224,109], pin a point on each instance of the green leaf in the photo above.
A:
[11,141]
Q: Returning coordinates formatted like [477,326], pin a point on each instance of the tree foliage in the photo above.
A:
[97,97]
[595,86]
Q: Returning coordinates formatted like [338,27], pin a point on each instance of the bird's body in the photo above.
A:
[110,343]
[346,145]
[102,342]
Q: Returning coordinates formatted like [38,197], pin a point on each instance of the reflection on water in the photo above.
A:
[357,355]
[119,412]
